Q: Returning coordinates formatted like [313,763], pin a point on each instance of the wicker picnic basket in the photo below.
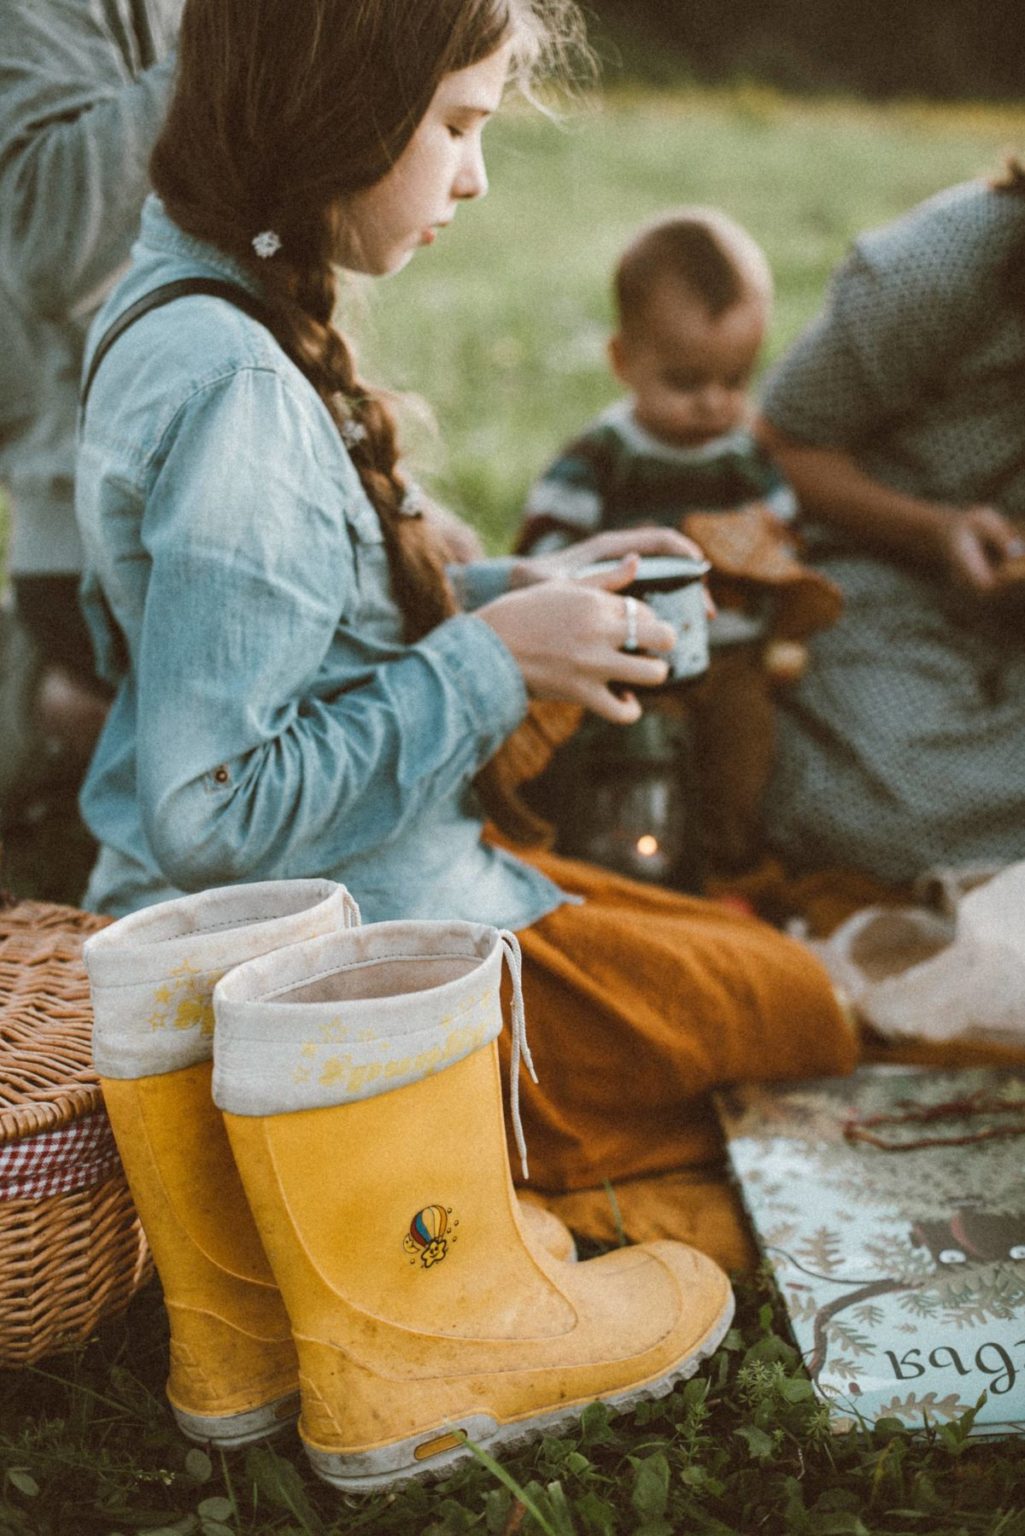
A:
[71,1248]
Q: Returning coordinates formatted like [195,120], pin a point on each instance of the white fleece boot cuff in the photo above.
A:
[355,1014]
[152,973]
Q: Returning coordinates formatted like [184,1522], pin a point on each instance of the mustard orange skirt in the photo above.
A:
[638,1003]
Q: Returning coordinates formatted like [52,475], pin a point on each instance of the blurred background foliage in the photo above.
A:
[943,49]
[501,327]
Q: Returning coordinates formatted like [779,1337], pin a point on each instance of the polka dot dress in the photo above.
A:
[904,744]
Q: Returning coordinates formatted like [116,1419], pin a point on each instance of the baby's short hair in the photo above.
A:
[700,249]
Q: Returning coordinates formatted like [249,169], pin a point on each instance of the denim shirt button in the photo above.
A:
[222,774]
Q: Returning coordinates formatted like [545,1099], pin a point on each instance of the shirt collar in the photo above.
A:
[620,415]
[160,233]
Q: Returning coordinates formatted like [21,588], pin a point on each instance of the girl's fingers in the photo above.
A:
[651,540]
[638,671]
[645,631]
[653,633]
[620,576]
[664,541]
[620,709]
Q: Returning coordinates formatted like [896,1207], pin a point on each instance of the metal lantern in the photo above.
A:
[625,797]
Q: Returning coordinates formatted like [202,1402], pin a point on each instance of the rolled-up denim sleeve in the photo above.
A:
[245,769]
[481,581]
[76,130]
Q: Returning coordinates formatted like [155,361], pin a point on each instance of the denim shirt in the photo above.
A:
[269,720]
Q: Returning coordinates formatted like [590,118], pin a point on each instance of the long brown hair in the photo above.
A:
[282,108]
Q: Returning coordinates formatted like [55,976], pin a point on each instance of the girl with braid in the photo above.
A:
[299,692]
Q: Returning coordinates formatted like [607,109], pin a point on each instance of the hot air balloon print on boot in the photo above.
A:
[429,1235]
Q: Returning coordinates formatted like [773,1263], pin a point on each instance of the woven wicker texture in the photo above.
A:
[66,1261]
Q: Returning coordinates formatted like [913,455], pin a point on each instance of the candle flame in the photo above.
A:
[647,846]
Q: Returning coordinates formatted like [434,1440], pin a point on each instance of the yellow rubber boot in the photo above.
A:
[233,1368]
[359,1079]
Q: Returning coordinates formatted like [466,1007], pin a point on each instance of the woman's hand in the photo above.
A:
[614,544]
[971,546]
[974,545]
[568,638]
[832,488]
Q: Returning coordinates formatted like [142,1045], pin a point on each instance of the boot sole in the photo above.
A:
[226,1431]
[431,1453]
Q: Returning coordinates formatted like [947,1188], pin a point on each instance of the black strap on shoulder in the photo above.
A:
[216,287]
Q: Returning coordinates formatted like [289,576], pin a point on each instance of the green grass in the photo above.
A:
[501,327]
[87,1449]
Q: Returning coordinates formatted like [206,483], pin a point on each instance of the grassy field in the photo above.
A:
[501,327]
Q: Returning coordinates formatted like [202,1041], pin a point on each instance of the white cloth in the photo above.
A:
[971,986]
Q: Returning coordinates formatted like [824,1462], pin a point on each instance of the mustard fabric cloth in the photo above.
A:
[640,1001]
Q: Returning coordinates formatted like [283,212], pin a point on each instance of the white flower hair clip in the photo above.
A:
[266,243]
[412,504]
[353,432]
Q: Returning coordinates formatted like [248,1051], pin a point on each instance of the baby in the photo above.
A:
[693,297]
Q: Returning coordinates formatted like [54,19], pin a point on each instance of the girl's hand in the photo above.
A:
[974,544]
[568,638]
[614,544]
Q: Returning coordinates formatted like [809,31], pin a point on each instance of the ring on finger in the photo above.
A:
[632,607]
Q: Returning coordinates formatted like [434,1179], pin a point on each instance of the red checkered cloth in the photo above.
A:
[76,1156]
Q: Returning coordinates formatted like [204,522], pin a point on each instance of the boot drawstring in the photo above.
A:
[514,960]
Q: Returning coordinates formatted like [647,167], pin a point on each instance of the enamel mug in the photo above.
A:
[672,585]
